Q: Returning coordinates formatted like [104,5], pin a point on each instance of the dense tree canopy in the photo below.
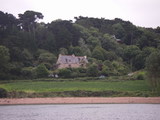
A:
[114,46]
[28,19]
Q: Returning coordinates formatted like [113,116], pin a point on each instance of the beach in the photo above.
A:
[81,100]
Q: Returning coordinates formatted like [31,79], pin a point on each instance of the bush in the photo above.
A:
[27,72]
[75,74]
[41,71]
[92,70]
[66,73]
[78,72]
[105,71]
[72,72]
[140,76]
[3,93]
[82,70]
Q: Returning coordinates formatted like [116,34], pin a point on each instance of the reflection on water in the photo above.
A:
[81,112]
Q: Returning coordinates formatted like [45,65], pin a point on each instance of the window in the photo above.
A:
[82,65]
[66,60]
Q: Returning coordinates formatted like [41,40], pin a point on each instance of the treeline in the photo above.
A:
[113,47]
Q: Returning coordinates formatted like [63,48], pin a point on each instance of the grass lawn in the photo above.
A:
[52,86]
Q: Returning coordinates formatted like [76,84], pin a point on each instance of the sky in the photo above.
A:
[143,13]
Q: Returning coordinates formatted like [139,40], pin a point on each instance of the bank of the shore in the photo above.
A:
[82,100]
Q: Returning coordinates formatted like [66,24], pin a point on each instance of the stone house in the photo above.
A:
[71,61]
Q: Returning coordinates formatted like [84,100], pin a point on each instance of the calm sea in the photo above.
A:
[81,112]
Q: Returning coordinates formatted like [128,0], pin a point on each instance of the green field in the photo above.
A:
[71,88]
[38,86]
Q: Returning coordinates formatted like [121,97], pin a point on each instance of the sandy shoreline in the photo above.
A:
[82,100]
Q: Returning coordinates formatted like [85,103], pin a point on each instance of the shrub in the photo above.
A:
[3,93]
[92,70]
[140,76]
[78,72]
[82,70]
[66,73]
[75,74]
[41,71]
[27,72]
[105,71]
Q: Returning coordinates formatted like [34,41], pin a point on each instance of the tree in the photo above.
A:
[15,69]
[93,42]
[98,53]
[16,54]
[13,41]
[108,43]
[75,50]
[27,58]
[28,72]
[41,71]
[28,20]
[105,70]
[28,25]
[47,58]
[130,52]
[140,59]
[148,38]
[83,31]
[92,70]
[153,69]
[7,23]
[4,55]
[118,30]
[24,39]
[63,51]
[148,50]
[65,33]
[119,68]
[45,39]
[84,47]
[110,55]
[4,61]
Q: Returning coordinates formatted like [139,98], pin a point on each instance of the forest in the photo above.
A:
[29,49]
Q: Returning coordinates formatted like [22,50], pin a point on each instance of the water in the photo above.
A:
[81,112]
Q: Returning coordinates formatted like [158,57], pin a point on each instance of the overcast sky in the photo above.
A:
[144,13]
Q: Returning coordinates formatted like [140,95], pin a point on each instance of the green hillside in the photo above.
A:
[29,49]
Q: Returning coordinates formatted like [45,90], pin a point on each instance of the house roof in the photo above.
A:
[71,59]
